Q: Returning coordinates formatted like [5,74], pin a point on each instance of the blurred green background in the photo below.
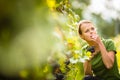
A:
[33,33]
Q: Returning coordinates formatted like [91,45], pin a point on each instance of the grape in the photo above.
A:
[91,49]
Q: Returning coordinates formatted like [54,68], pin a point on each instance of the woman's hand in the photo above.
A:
[96,39]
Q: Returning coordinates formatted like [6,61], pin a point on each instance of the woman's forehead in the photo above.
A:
[86,25]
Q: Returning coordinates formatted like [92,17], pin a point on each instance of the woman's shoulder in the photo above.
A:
[107,41]
[109,44]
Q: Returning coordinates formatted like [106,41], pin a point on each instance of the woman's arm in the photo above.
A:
[87,68]
[107,57]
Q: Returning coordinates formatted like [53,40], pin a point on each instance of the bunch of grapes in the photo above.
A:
[59,75]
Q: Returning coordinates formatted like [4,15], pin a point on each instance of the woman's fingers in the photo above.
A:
[95,38]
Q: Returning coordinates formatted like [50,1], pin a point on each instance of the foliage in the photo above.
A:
[117,43]
[24,31]
[70,44]
[39,39]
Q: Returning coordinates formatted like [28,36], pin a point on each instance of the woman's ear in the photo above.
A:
[81,36]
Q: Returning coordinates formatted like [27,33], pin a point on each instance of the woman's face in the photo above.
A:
[88,31]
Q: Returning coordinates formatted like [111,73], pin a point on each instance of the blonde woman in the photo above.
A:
[103,64]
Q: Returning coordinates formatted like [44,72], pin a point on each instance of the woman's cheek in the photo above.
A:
[88,38]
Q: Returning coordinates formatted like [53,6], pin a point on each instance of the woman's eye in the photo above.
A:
[92,28]
[86,31]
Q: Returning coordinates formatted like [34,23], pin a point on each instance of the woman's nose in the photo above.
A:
[91,32]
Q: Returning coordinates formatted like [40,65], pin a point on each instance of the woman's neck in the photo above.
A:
[94,44]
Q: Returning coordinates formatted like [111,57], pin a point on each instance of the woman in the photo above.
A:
[103,63]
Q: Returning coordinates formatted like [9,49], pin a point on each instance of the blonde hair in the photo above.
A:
[80,24]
